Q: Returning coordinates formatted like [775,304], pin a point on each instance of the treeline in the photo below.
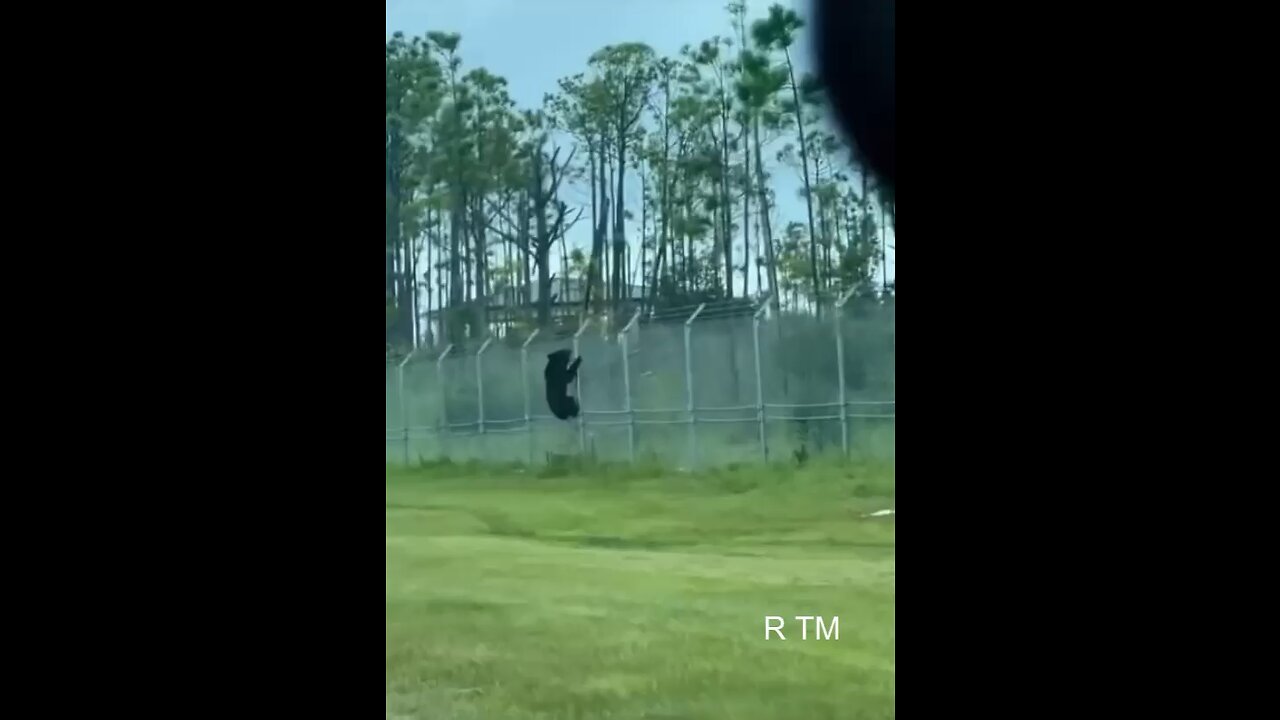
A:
[476,187]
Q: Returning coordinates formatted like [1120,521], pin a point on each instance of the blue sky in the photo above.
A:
[534,43]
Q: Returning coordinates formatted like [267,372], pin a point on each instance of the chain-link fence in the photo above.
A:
[699,388]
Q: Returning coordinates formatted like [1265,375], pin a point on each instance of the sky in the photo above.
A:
[534,43]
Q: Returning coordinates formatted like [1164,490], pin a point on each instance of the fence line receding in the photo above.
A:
[696,389]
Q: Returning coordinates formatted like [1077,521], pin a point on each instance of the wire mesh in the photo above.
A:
[671,392]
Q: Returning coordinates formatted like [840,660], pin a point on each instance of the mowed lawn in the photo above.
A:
[516,596]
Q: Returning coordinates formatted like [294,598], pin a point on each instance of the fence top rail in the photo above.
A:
[408,357]
[764,306]
[448,349]
[844,296]
[694,316]
[634,318]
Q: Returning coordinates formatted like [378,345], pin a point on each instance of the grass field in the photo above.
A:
[630,594]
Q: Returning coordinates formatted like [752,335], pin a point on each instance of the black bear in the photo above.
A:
[559,375]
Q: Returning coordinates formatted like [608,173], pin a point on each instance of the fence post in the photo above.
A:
[688,386]
[577,388]
[404,403]
[624,342]
[444,399]
[844,403]
[524,384]
[760,409]
[480,383]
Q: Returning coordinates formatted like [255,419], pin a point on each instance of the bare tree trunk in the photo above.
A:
[595,278]
[457,292]
[430,334]
[758,261]
[606,249]
[393,230]
[564,268]
[822,219]
[725,217]
[837,211]
[610,256]
[442,286]
[591,161]
[644,227]
[619,225]
[522,235]
[482,270]
[690,262]
[884,252]
[808,189]
[746,219]
[415,289]
[543,260]
[469,288]
[664,235]
[770,256]
[541,244]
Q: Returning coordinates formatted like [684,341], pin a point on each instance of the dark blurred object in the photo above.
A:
[856,61]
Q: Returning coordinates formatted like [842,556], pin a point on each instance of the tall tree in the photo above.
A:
[550,217]
[757,90]
[710,58]
[777,32]
[581,108]
[475,200]
[492,128]
[738,14]
[455,149]
[412,98]
[626,74]
[659,153]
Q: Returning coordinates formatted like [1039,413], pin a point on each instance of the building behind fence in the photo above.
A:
[699,387]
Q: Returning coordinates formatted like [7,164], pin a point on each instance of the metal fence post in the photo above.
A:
[577,388]
[688,386]
[480,383]
[844,403]
[624,342]
[760,409]
[524,384]
[444,399]
[404,403]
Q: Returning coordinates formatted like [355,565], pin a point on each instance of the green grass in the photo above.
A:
[616,592]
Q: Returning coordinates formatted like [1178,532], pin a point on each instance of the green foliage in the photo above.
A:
[482,186]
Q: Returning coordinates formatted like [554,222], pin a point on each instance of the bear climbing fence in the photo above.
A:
[705,389]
